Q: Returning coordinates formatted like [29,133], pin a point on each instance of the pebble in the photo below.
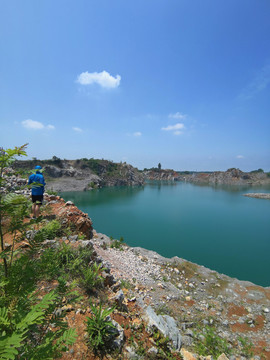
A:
[160,285]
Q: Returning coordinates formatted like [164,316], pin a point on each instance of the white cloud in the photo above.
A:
[177,116]
[36,125]
[77,129]
[175,127]
[104,79]
[137,133]
[240,157]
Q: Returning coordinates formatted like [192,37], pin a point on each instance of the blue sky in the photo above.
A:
[182,82]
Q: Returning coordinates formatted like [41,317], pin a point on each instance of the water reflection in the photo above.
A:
[102,196]
[235,188]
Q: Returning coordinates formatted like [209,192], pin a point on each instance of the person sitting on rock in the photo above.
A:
[38,184]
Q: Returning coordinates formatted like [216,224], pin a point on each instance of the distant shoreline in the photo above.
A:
[258,195]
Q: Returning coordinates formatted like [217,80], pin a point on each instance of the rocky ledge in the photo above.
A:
[259,195]
[196,297]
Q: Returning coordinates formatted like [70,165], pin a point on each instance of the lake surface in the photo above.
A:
[216,227]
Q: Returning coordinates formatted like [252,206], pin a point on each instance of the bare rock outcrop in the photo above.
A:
[84,174]
[68,213]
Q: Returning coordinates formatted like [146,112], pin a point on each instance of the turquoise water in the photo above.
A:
[212,226]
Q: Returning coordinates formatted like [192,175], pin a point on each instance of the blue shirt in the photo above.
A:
[38,183]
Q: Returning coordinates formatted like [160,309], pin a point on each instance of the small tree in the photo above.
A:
[159,166]
[7,203]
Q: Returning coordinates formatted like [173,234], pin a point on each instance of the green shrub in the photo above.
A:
[51,192]
[99,328]
[51,230]
[211,344]
[65,260]
[163,345]
[246,346]
[257,171]
[117,244]
[90,278]
[92,185]
[65,256]
[126,284]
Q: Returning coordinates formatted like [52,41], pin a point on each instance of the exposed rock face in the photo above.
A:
[166,325]
[162,175]
[81,175]
[230,177]
[13,182]
[69,213]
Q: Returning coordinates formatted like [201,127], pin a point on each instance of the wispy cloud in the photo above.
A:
[176,129]
[239,157]
[104,79]
[258,84]
[177,116]
[77,129]
[36,125]
[135,134]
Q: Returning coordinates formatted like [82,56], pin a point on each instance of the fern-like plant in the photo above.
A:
[91,278]
[18,327]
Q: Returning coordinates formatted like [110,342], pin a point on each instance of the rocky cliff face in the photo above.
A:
[230,177]
[162,175]
[84,174]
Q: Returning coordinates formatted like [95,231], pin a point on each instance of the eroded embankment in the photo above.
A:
[196,297]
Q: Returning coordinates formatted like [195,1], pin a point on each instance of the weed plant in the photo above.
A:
[100,328]
[51,230]
[247,347]
[117,244]
[210,343]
